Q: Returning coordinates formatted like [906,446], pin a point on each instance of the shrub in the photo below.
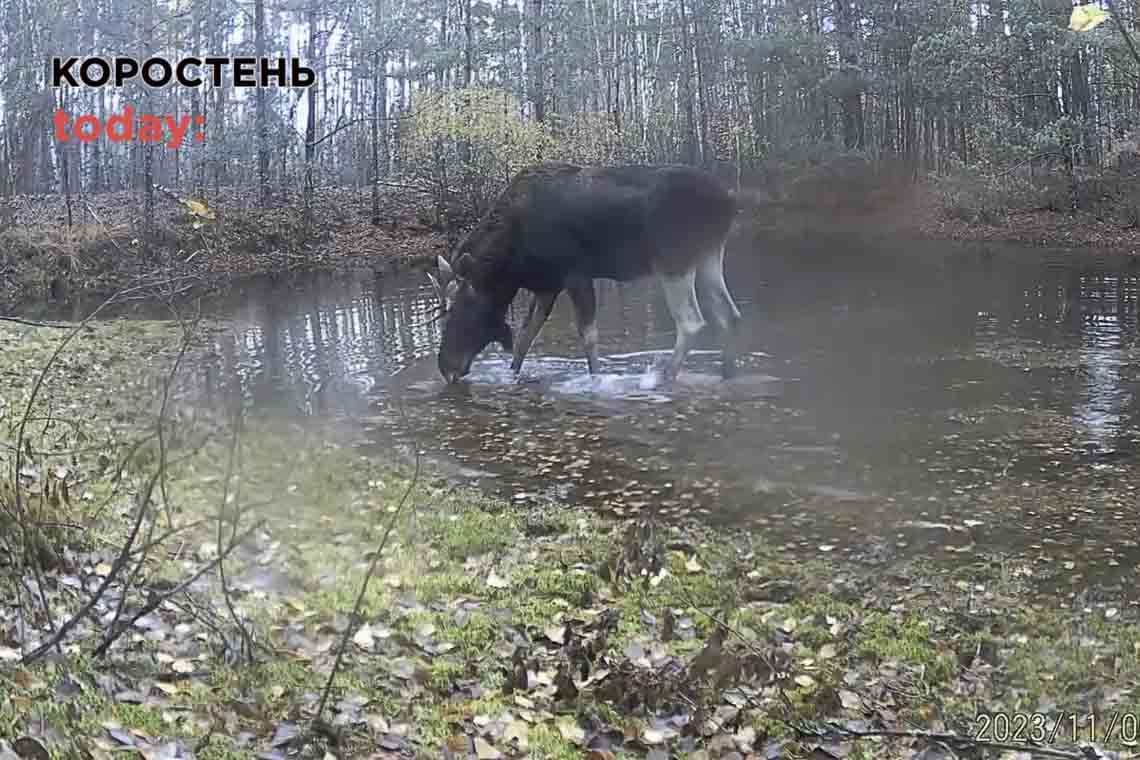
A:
[466,144]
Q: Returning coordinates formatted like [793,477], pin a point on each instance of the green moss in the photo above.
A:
[570,585]
[139,718]
[470,531]
[327,601]
[222,748]
[443,673]
[431,724]
[446,584]
[85,713]
[546,743]
[475,637]
[908,639]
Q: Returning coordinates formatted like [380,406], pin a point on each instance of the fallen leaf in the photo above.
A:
[519,732]
[29,748]
[571,731]
[363,638]
[849,699]
[199,208]
[484,750]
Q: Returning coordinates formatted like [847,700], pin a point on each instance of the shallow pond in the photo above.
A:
[953,403]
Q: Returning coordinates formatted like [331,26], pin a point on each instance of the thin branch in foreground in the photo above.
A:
[35,323]
[38,384]
[351,122]
[163,466]
[157,599]
[354,617]
[116,568]
[235,442]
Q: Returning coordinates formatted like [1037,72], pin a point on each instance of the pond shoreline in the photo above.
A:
[76,304]
[50,265]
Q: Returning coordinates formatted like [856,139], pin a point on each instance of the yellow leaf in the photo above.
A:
[1086,17]
[199,208]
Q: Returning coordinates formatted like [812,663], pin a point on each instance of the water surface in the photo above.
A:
[952,403]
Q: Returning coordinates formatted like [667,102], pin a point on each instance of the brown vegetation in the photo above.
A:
[1100,210]
[44,257]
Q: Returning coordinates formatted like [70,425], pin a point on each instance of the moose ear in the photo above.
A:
[503,337]
[445,271]
[436,286]
[463,264]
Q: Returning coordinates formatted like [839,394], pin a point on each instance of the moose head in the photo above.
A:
[471,320]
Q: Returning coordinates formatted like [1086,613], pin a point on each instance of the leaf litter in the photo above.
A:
[491,638]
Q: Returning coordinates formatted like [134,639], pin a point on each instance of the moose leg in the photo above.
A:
[710,280]
[585,314]
[540,309]
[681,296]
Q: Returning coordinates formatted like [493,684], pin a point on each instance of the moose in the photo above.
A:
[560,226]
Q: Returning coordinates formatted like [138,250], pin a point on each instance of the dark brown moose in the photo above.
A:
[559,226]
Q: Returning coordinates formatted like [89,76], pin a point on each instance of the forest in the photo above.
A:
[1014,124]
[242,515]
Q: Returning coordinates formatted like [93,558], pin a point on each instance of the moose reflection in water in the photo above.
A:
[558,227]
[884,392]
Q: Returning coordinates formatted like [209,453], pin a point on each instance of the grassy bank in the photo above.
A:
[486,629]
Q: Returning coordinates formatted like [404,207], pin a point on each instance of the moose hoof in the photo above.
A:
[666,377]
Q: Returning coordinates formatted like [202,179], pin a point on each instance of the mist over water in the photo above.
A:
[890,402]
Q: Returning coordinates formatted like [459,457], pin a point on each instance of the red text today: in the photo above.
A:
[124,127]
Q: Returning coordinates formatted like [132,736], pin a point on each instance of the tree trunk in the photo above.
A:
[469,46]
[687,84]
[537,61]
[851,100]
[311,125]
[377,75]
[259,97]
